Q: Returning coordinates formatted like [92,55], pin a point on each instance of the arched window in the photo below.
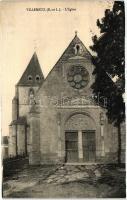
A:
[29,78]
[78,49]
[37,78]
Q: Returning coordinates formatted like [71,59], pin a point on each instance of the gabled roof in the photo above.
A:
[70,50]
[69,53]
[32,71]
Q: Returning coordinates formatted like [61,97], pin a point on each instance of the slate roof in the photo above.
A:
[33,69]
[20,121]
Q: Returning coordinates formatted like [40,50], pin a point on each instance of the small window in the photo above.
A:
[37,78]
[30,78]
[78,48]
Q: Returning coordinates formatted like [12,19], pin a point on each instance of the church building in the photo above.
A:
[56,119]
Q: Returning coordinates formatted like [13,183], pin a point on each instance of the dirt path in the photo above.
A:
[66,181]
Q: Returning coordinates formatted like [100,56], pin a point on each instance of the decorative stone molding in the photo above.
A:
[80,122]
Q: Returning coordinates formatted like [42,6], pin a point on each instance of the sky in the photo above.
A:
[47,32]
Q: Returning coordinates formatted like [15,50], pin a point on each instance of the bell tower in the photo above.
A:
[25,92]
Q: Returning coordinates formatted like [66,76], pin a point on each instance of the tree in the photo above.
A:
[109,63]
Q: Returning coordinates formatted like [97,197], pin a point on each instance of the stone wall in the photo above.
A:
[12,140]
[52,135]
[34,138]
[21,139]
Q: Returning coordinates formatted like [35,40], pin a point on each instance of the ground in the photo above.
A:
[68,181]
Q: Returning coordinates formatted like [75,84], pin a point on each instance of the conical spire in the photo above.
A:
[33,74]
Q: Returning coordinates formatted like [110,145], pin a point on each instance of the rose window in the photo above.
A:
[78,77]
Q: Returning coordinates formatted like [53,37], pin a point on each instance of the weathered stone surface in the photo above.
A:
[49,180]
[85,175]
[97,173]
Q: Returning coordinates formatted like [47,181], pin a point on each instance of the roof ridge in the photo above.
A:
[33,69]
[66,56]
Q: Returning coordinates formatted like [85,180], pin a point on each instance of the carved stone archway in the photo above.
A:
[80,140]
[80,121]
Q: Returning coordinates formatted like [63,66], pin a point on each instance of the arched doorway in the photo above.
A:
[80,138]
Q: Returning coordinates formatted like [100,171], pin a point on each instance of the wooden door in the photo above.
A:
[71,145]
[89,147]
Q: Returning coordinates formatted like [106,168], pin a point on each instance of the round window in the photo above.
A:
[78,77]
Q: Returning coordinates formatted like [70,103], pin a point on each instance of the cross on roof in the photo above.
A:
[76,32]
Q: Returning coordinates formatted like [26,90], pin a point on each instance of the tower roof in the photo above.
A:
[33,74]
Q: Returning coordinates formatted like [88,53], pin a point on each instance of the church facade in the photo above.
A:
[56,119]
